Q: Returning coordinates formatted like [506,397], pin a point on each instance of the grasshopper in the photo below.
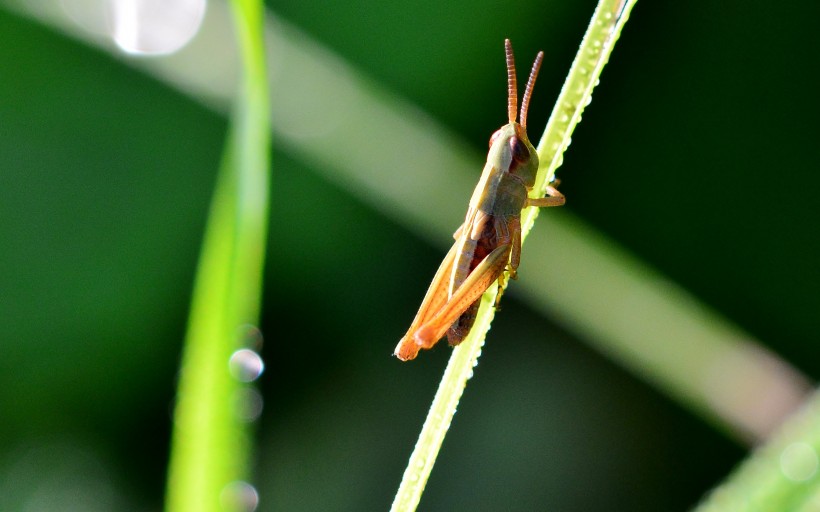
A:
[489,241]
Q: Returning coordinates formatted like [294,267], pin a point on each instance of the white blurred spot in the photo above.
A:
[798,462]
[246,365]
[239,496]
[155,27]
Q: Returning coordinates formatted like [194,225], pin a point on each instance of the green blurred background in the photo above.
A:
[697,155]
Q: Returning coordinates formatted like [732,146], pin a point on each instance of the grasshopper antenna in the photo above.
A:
[512,84]
[525,103]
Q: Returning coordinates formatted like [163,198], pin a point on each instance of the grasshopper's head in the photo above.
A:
[510,143]
[510,146]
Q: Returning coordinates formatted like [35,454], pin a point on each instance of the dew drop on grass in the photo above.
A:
[248,404]
[155,27]
[246,365]
[798,462]
[240,496]
[250,336]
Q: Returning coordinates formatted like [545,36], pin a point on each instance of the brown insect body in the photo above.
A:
[495,213]
[490,238]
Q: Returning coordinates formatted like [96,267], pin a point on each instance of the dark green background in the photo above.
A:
[698,154]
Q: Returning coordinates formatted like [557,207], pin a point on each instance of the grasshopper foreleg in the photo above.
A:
[553,198]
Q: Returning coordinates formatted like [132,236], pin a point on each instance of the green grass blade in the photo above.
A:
[210,446]
[590,59]
[459,370]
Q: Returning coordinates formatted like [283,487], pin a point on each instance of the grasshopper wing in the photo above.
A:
[473,287]
[435,298]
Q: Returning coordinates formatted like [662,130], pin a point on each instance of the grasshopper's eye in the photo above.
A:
[519,150]
[494,137]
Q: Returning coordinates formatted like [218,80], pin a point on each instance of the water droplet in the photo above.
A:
[248,403]
[246,365]
[798,462]
[250,337]
[239,496]
[155,27]
[420,463]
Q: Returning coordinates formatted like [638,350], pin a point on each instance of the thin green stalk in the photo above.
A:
[602,33]
[210,444]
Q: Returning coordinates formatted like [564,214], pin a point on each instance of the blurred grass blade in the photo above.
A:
[593,53]
[658,331]
[781,475]
[210,446]
[646,323]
